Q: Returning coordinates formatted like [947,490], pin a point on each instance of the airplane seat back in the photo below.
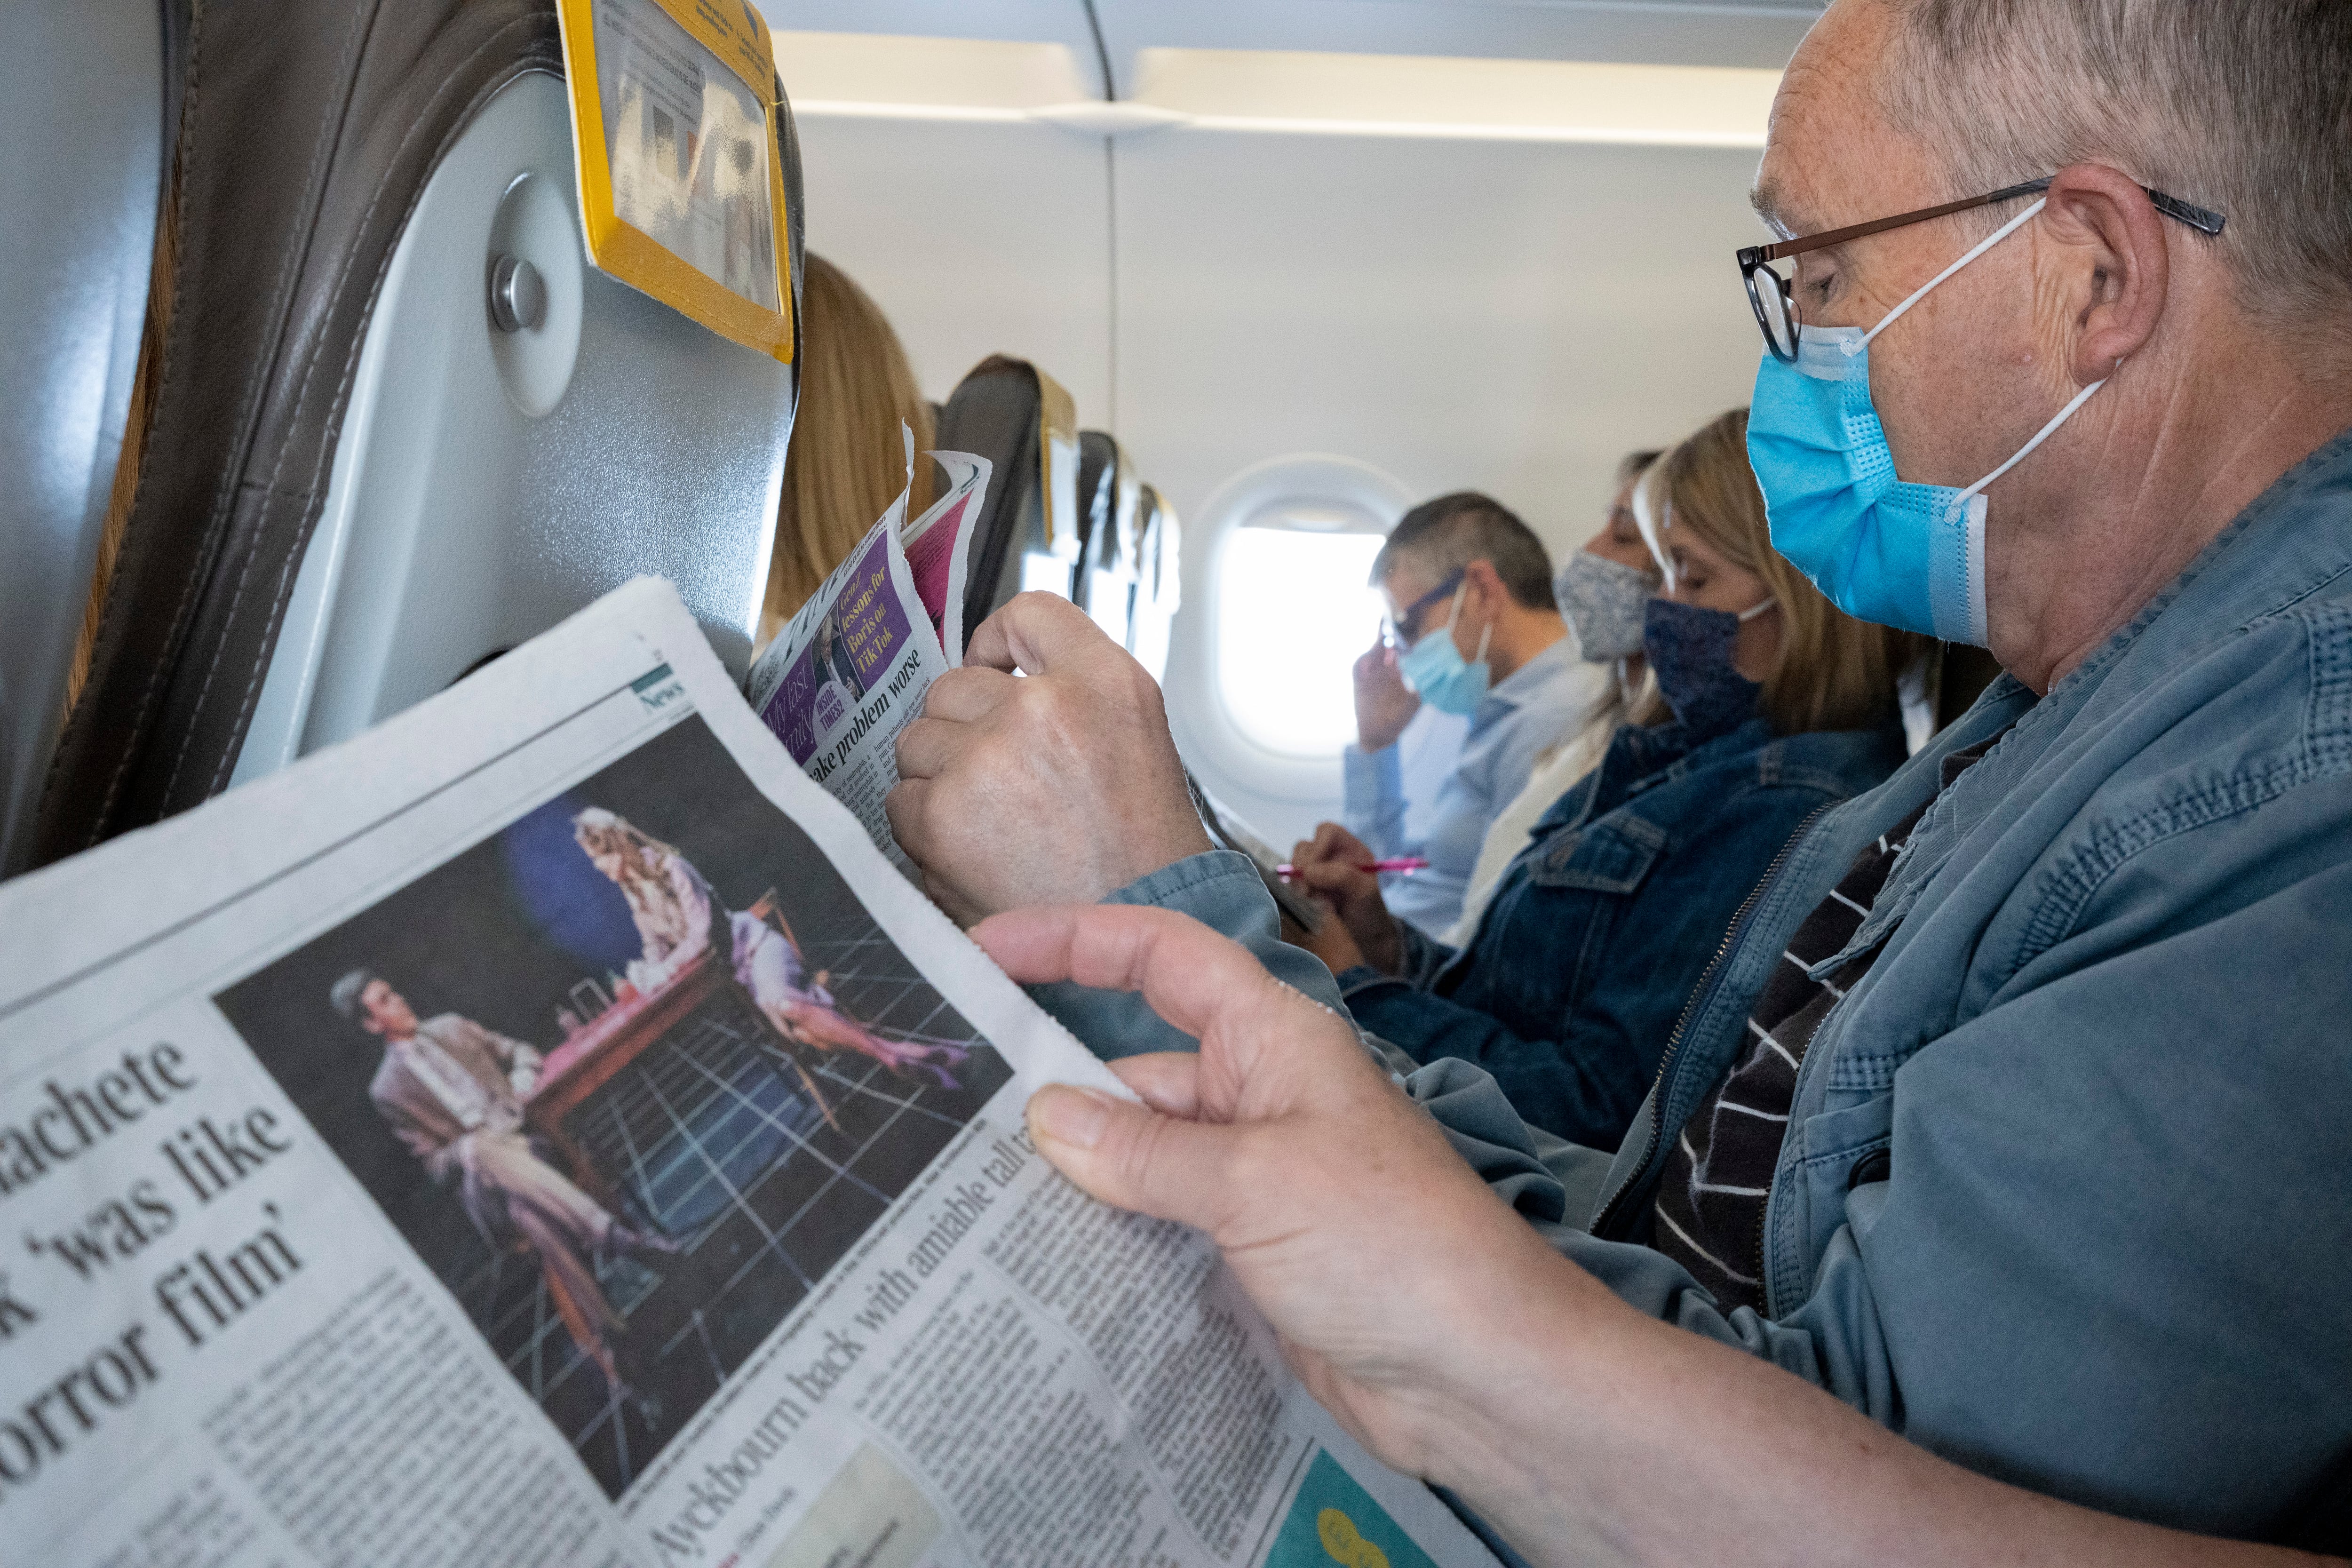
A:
[1003,410]
[1159,590]
[77,207]
[367,469]
[1104,583]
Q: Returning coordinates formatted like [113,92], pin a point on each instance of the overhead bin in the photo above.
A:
[1020,419]
[401,424]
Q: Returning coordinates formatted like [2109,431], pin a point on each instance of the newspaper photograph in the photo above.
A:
[709,1087]
[536,1133]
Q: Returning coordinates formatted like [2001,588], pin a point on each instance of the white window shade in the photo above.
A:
[1293,613]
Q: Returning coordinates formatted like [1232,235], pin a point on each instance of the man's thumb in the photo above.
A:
[1129,1155]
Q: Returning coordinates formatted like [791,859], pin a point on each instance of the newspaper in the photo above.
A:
[848,672]
[536,1133]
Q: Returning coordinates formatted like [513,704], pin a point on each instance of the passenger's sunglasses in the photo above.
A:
[1773,298]
[1406,630]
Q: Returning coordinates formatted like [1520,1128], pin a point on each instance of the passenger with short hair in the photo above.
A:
[2010,1111]
[1473,631]
[1768,706]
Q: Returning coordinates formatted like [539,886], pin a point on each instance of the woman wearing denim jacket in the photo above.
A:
[1772,704]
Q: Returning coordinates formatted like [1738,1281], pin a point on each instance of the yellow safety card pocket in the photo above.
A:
[673,110]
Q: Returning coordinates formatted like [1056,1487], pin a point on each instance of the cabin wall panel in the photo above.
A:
[1505,316]
[975,238]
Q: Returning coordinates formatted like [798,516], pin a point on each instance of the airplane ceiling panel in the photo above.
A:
[975,238]
[1749,33]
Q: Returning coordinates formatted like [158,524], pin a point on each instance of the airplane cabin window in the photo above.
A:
[1293,611]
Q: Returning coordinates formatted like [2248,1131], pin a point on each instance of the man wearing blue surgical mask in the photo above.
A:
[2010,1112]
[1473,631]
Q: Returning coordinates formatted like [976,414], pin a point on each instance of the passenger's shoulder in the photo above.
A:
[1836,763]
[2274,697]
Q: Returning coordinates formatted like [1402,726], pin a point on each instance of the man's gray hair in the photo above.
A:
[346,993]
[2242,106]
[1448,533]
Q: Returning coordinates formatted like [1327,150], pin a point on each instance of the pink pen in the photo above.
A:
[1400,863]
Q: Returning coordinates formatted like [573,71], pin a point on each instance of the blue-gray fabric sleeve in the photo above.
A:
[1371,800]
[2125,1287]
[1222,891]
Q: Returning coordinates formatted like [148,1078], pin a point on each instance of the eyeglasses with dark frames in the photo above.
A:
[1404,630]
[1773,298]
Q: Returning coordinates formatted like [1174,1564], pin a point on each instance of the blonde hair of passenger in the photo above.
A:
[1833,672]
[846,460]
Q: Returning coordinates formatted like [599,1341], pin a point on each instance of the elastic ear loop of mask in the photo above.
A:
[1853,346]
[1455,613]
[1652,529]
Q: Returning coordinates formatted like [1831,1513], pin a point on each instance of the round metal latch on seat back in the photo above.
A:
[517,294]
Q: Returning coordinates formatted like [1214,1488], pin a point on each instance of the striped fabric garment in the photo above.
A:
[1710,1213]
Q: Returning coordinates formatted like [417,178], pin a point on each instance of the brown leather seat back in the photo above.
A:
[462,519]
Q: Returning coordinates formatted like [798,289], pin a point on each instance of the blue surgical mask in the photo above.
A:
[1436,670]
[1690,653]
[1880,549]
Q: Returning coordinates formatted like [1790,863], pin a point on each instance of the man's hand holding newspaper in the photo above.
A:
[760,1265]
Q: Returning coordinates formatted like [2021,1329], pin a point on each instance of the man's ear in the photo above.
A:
[2113,239]
[1488,583]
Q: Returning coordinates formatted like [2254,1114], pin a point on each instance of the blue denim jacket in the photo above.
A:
[1601,927]
[2107,1049]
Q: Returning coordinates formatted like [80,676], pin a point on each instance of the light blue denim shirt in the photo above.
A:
[2107,1052]
[1544,699]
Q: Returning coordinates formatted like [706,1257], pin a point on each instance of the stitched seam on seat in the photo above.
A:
[114,609]
[294,417]
[226,488]
[289,568]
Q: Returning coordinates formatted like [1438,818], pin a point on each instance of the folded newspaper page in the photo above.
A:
[536,1133]
[849,669]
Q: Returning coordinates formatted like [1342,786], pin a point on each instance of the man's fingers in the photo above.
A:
[1035,632]
[963,695]
[1186,972]
[1203,984]
[1132,1157]
[929,747]
[1168,1081]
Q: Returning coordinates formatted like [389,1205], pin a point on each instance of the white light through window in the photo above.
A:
[1293,613]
